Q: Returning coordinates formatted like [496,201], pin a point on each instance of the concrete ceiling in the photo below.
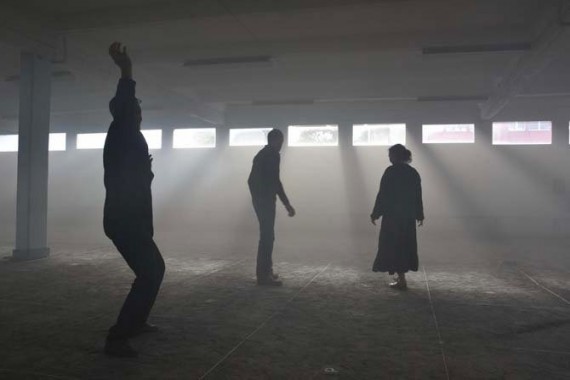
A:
[318,49]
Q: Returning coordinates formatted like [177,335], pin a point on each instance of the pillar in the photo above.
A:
[32,190]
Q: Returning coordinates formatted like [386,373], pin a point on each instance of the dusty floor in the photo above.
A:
[503,314]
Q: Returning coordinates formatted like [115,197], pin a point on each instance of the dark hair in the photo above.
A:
[399,153]
[274,134]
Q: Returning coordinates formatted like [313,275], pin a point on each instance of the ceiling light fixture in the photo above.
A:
[237,60]
[483,48]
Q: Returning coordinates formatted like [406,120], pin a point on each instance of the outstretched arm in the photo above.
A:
[281,194]
[419,203]
[121,59]
[280,190]
[379,205]
[126,87]
[124,105]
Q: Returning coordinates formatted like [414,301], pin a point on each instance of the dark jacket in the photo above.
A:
[400,194]
[128,174]
[264,182]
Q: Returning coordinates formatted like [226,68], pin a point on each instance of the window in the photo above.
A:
[313,135]
[515,127]
[153,138]
[378,134]
[522,133]
[249,136]
[448,133]
[57,142]
[91,140]
[194,138]
[9,143]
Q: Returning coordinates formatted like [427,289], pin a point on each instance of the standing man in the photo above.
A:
[264,186]
[128,209]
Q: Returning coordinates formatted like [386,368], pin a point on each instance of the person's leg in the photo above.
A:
[117,343]
[266,216]
[400,281]
[400,254]
[156,269]
[402,277]
[143,257]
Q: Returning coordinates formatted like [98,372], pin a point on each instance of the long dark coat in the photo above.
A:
[399,203]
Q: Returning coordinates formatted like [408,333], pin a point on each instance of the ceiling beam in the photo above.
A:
[551,42]
[93,64]
[174,10]
[394,42]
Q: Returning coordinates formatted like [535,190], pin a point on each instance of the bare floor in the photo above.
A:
[502,314]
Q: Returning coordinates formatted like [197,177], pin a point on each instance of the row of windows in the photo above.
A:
[504,133]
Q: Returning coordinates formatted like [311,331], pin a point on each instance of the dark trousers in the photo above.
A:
[137,247]
[265,211]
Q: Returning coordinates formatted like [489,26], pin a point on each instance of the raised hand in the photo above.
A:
[121,58]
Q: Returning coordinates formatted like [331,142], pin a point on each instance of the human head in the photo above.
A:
[275,139]
[399,154]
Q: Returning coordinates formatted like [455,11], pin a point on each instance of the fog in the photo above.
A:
[476,194]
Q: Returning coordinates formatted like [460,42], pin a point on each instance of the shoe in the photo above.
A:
[269,281]
[399,284]
[144,329]
[119,348]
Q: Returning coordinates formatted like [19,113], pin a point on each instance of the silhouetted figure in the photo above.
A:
[264,186]
[399,203]
[128,209]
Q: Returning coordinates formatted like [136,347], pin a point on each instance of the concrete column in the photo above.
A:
[560,133]
[484,133]
[31,214]
[167,138]
[70,141]
[222,137]
[414,134]
[345,135]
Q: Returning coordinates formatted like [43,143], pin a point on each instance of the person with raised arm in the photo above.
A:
[127,216]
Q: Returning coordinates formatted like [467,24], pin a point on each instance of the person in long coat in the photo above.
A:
[399,203]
